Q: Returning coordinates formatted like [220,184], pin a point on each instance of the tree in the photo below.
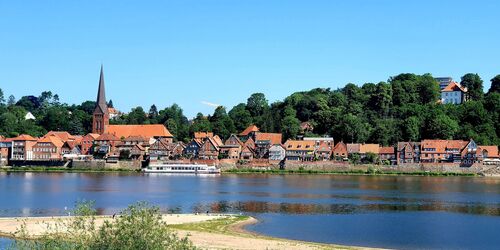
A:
[241,117]
[153,113]
[428,89]
[495,85]
[221,123]
[110,103]
[411,128]
[11,101]
[200,123]
[442,127]
[290,125]
[474,86]
[2,99]
[257,104]
[136,116]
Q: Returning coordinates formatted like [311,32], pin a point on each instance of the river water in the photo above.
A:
[373,211]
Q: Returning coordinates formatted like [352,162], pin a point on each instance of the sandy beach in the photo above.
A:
[235,237]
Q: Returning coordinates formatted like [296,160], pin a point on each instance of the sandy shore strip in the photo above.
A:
[233,236]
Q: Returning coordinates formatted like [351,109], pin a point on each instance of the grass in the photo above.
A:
[344,172]
[219,225]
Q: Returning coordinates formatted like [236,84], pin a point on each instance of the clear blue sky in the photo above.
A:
[190,52]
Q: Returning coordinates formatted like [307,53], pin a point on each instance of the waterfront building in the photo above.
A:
[486,153]
[48,148]
[442,151]
[5,148]
[387,154]
[247,153]
[71,149]
[277,152]
[323,151]
[87,143]
[22,147]
[263,141]
[210,148]
[249,132]
[299,150]
[408,152]
[192,148]
[340,152]
[106,144]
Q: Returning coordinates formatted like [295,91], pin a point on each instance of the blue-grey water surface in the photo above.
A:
[374,211]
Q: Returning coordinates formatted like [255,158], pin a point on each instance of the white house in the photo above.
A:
[276,152]
[454,93]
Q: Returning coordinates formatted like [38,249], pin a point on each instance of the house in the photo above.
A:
[149,131]
[263,141]
[306,127]
[106,144]
[353,148]
[249,132]
[232,148]
[320,140]
[203,135]
[454,93]
[277,152]
[247,153]
[368,148]
[135,145]
[87,143]
[442,150]
[323,151]
[22,147]
[250,143]
[5,150]
[209,149]
[63,135]
[234,140]
[340,151]
[48,148]
[487,153]
[113,113]
[192,148]
[387,154]
[161,149]
[71,148]
[299,150]
[408,152]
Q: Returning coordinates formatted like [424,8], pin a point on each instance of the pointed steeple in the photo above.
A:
[101,94]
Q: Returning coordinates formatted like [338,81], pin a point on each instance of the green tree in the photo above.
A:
[2,98]
[241,117]
[153,113]
[200,123]
[221,123]
[411,128]
[257,104]
[290,125]
[495,85]
[11,101]
[442,127]
[474,85]
[136,116]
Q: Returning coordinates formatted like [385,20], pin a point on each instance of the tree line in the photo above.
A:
[405,108]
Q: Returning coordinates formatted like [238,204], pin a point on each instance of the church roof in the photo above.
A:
[101,94]
[146,131]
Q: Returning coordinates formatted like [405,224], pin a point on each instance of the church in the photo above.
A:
[101,116]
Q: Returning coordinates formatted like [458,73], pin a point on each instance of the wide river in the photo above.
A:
[374,211]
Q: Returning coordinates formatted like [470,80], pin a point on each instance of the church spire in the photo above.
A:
[101,93]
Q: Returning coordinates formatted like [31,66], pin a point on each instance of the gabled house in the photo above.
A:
[247,153]
[277,152]
[340,152]
[192,148]
[299,150]
[454,93]
[323,151]
[250,143]
[161,149]
[48,148]
[5,150]
[106,144]
[249,132]
[232,148]
[71,148]
[408,152]
[387,154]
[263,141]
[209,149]
[22,147]
[468,153]
[486,154]
[433,151]
[87,143]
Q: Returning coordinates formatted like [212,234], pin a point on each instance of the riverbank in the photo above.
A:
[345,172]
[213,231]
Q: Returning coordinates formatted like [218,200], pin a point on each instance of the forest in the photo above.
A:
[405,108]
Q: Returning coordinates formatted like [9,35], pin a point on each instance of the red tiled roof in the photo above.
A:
[340,147]
[454,86]
[24,137]
[386,150]
[492,151]
[299,145]
[369,148]
[323,146]
[146,131]
[94,136]
[203,135]
[353,147]
[249,129]
[107,137]
[63,135]
[274,138]
[52,139]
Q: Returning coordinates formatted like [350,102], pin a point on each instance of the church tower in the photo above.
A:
[101,115]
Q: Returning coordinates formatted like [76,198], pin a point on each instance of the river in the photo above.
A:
[374,211]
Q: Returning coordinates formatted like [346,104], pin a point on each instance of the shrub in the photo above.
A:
[140,226]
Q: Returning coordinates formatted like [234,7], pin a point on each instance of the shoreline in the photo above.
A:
[213,231]
[243,171]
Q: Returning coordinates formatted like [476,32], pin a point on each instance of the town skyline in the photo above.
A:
[259,47]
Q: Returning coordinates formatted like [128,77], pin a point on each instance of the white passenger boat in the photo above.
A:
[176,168]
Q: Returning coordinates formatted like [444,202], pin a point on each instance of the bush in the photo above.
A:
[140,226]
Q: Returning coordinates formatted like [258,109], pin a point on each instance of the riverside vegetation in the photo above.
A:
[405,108]
[140,226]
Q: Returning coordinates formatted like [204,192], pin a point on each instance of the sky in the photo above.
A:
[204,53]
